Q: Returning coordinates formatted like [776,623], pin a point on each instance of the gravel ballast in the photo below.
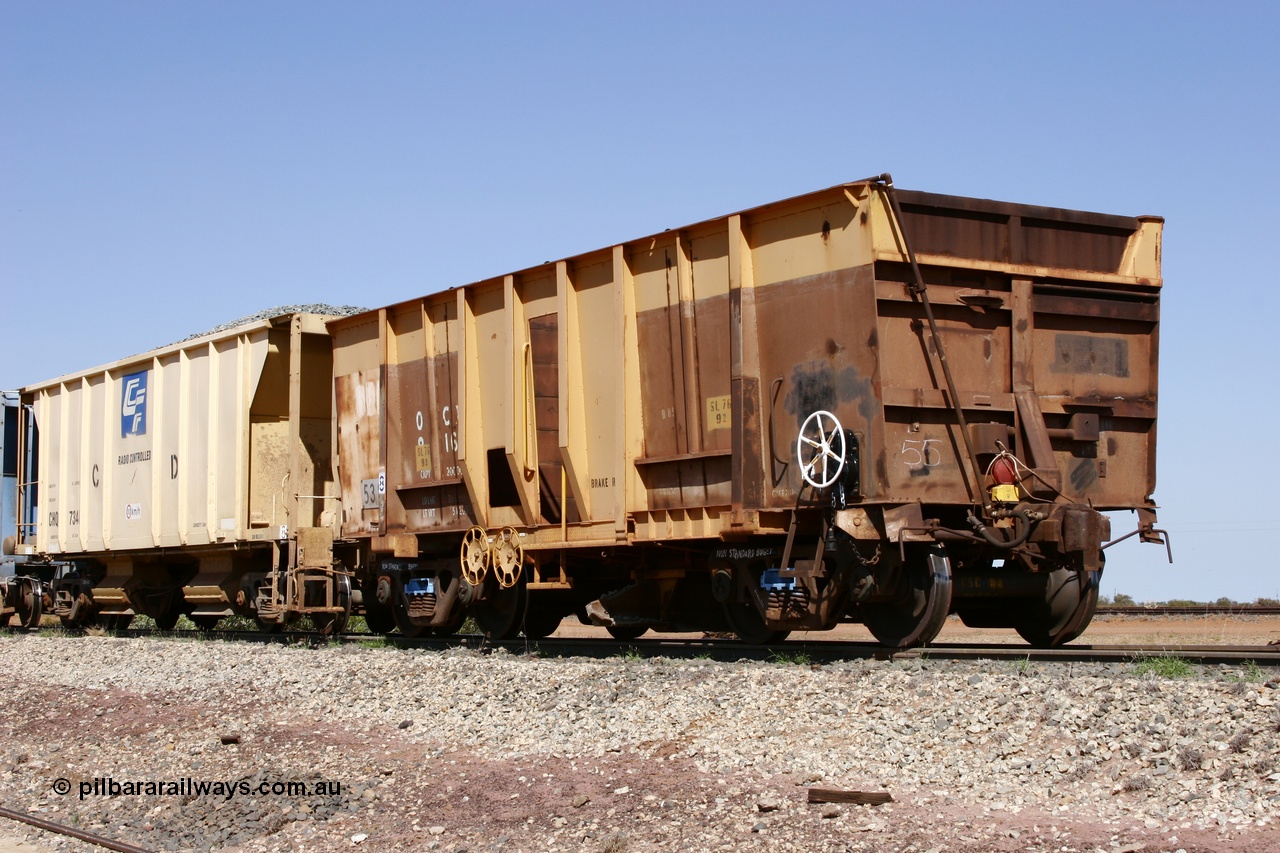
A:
[461,750]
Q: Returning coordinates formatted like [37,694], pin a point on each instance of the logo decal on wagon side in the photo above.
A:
[133,404]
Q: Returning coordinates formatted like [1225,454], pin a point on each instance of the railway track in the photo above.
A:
[1190,610]
[70,831]
[795,651]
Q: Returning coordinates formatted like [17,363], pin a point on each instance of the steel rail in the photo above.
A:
[1189,610]
[724,650]
[71,831]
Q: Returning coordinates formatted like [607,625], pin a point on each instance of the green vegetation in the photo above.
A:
[797,658]
[1163,666]
[1253,673]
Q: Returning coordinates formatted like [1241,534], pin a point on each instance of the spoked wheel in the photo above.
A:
[1070,599]
[506,557]
[29,606]
[627,632]
[336,623]
[500,615]
[918,608]
[474,557]
[820,448]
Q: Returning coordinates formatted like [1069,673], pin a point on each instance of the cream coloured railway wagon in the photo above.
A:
[860,404]
[179,480]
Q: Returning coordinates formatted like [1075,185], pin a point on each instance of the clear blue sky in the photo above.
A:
[165,167]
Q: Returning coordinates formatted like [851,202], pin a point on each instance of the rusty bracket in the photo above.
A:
[1148,533]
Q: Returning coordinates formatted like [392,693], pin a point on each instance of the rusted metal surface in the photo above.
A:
[631,419]
[653,393]
[1028,353]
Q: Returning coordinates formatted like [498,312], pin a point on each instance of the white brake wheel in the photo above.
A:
[820,448]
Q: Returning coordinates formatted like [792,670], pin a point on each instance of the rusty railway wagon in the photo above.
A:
[861,404]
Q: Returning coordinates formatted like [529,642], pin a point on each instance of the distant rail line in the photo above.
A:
[1189,610]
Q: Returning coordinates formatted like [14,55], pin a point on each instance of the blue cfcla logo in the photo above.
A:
[133,404]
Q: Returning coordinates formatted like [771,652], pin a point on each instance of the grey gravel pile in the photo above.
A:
[1095,740]
[309,308]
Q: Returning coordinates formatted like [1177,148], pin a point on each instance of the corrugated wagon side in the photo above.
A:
[861,403]
[179,481]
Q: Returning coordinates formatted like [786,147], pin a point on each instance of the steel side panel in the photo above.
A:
[120,481]
[832,326]
[356,398]
[819,345]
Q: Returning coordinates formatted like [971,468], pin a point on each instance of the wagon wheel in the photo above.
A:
[268,626]
[919,604]
[166,619]
[449,628]
[119,621]
[475,556]
[820,448]
[29,605]
[499,615]
[1066,609]
[750,626]
[336,623]
[398,604]
[506,556]
[378,617]
[744,617]
[541,623]
[626,633]
[405,623]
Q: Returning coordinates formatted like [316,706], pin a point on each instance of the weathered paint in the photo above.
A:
[663,380]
